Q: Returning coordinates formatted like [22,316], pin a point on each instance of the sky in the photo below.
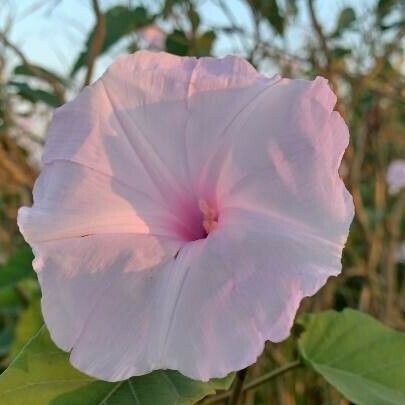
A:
[52,32]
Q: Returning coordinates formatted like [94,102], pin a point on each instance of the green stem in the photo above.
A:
[237,387]
[255,383]
[272,374]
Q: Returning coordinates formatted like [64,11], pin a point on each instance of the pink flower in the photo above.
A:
[400,254]
[154,37]
[185,208]
[396,176]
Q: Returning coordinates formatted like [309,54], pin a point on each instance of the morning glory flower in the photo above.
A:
[184,209]
[153,37]
[396,176]
[400,254]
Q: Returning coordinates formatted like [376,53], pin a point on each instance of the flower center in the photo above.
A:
[210,216]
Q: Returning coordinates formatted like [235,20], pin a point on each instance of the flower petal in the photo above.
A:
[243,287]
[284,218]
[283,161]
[101,299]
[152,115]
[71,200]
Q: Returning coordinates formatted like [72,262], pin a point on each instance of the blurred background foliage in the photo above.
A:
[360,49]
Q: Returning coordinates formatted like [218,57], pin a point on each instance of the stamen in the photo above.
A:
[210,219]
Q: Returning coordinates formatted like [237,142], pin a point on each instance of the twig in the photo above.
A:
[358,153]
[394,231]
[272,374]
[255,383]
[97,42]
[319,31]
[257,34]
[31,136]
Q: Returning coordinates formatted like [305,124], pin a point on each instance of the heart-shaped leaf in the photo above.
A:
[358,355]
[41,374]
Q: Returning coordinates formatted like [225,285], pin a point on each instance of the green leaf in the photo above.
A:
[397,24]
[25,70]
[346,18]
[29,323]
[35,95]
[204,43]
[177,43]
[18,267]
[168,7]
[384,7]
[120,21]
[340,52]
[358,355]
[42,374]
[271,11]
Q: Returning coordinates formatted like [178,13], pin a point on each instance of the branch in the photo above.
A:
[272,374]
[97,42]
[358,153]
[255,383]
[320,34]
[394,234]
